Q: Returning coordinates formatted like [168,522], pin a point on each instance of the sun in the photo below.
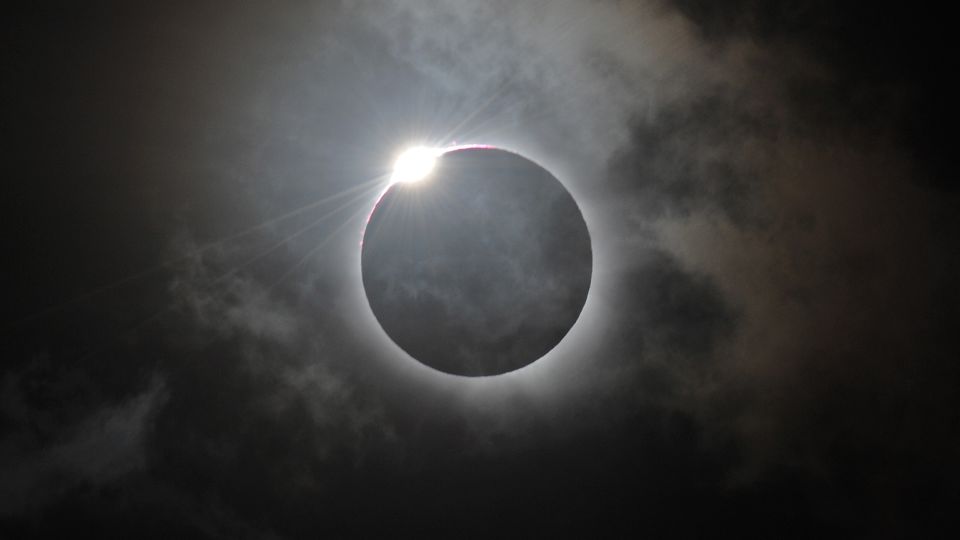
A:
[414,164]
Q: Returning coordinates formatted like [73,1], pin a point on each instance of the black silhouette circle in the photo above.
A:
[482,267]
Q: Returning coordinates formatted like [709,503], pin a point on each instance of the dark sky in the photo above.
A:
[768,348]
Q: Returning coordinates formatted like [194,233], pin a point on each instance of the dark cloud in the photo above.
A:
[885,66]
[49,450]
[694,157]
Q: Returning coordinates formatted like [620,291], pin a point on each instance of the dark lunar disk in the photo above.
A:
[482,267]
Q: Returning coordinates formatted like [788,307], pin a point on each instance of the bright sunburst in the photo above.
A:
[414,164]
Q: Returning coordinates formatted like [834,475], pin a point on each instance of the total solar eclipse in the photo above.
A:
[476,261]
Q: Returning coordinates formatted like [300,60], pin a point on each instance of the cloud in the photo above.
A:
[808,212]
[270,359]
[99,449]
[223,298]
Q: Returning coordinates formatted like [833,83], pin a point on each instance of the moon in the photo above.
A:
[475,261]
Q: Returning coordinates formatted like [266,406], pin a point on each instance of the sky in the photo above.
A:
[767,347]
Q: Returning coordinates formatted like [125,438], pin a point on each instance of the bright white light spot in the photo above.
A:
[414,164]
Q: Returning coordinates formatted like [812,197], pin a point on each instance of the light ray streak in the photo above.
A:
[132,278]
